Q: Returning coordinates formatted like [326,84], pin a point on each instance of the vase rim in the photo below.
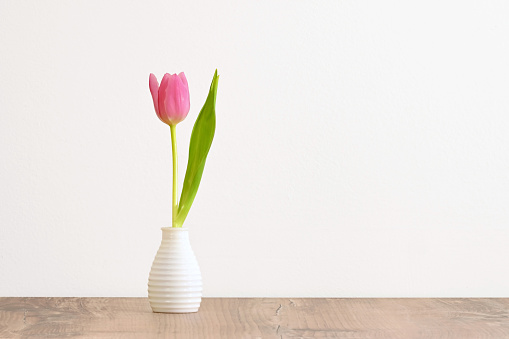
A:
[174,229]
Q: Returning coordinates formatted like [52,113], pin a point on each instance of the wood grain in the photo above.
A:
[256,318]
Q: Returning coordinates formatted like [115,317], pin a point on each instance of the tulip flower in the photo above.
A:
[171,99]
[171,103]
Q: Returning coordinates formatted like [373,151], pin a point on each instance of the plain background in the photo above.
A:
[361,149]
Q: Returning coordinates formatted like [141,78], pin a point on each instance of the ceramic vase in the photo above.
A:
[174,283]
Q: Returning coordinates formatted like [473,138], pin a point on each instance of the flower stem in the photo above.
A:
[173,130]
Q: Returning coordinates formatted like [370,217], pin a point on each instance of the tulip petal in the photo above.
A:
[177,99]
[185,99]
[171,94]
[182,77]
[154,89]
[163,93]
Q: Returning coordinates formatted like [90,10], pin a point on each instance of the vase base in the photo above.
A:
[174,310]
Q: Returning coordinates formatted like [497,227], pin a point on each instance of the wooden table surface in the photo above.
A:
[256,318]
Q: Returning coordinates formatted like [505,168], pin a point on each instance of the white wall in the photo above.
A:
[361,150]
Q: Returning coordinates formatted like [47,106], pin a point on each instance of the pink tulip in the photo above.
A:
[171,99]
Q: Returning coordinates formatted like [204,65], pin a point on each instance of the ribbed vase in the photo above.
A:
[174,283]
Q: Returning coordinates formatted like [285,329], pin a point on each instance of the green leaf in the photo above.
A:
[201,139]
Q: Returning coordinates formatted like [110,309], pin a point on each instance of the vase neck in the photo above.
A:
[175,233]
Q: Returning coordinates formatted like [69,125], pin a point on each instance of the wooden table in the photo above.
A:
[256,318]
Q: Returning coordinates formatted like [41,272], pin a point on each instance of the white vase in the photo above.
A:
[174,283]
